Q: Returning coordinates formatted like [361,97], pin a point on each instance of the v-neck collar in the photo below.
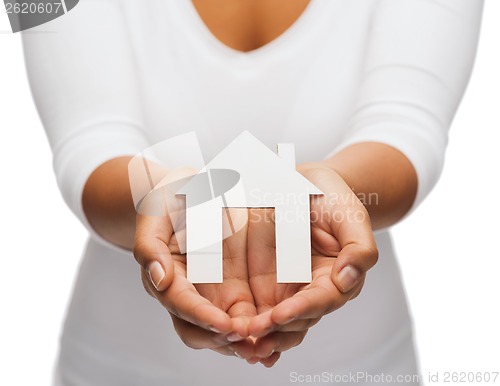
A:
[282,42]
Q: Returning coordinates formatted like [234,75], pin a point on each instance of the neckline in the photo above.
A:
[286,38]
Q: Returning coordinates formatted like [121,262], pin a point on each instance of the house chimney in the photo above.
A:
[286,151]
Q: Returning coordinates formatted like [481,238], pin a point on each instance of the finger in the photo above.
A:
[359,250]
[271,360]
[241,314]
[323,242]
[176,293]
[244,349]
[319,298]
[253,360]
[352,264]
[228,351]
[196,337]
[166,281]
[263,324]
[298,325]
[154,229]
[150,249]
[182,300]
[278,342]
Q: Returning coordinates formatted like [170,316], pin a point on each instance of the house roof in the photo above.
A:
[265,176]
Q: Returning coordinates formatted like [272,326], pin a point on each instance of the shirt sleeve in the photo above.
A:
[418,62]
[81,71]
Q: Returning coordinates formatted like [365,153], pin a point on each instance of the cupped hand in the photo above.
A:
[343,250]
[250,302]
[211,316]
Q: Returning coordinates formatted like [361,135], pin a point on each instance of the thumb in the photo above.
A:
[151,251]
[352,264]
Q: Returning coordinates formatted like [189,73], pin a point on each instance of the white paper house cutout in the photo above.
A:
[253,176]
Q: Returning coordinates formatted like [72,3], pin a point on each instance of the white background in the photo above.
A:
[449,248]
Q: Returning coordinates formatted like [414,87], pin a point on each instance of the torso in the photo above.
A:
[300,88]
[246,25]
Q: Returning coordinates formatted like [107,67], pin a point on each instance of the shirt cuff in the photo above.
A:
[78,156]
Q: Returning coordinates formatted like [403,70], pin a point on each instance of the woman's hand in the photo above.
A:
[343,250]
[341,237]
[212,316]
[250,301]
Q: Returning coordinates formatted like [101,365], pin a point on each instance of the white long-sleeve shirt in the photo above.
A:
[116,76]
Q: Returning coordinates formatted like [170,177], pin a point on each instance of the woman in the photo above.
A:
[366,89]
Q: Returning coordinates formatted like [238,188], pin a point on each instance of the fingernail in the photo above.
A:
[237,354]
[213,329]
[156,273]
[348,278]
[234,337]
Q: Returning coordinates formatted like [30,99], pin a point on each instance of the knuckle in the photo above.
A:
[371,253]
[142,251]
[299,338]
[139,250]
[374,254]
[311,322]
[308,323]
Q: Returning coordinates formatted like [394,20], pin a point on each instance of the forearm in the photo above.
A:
[108,205]
[381,176]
